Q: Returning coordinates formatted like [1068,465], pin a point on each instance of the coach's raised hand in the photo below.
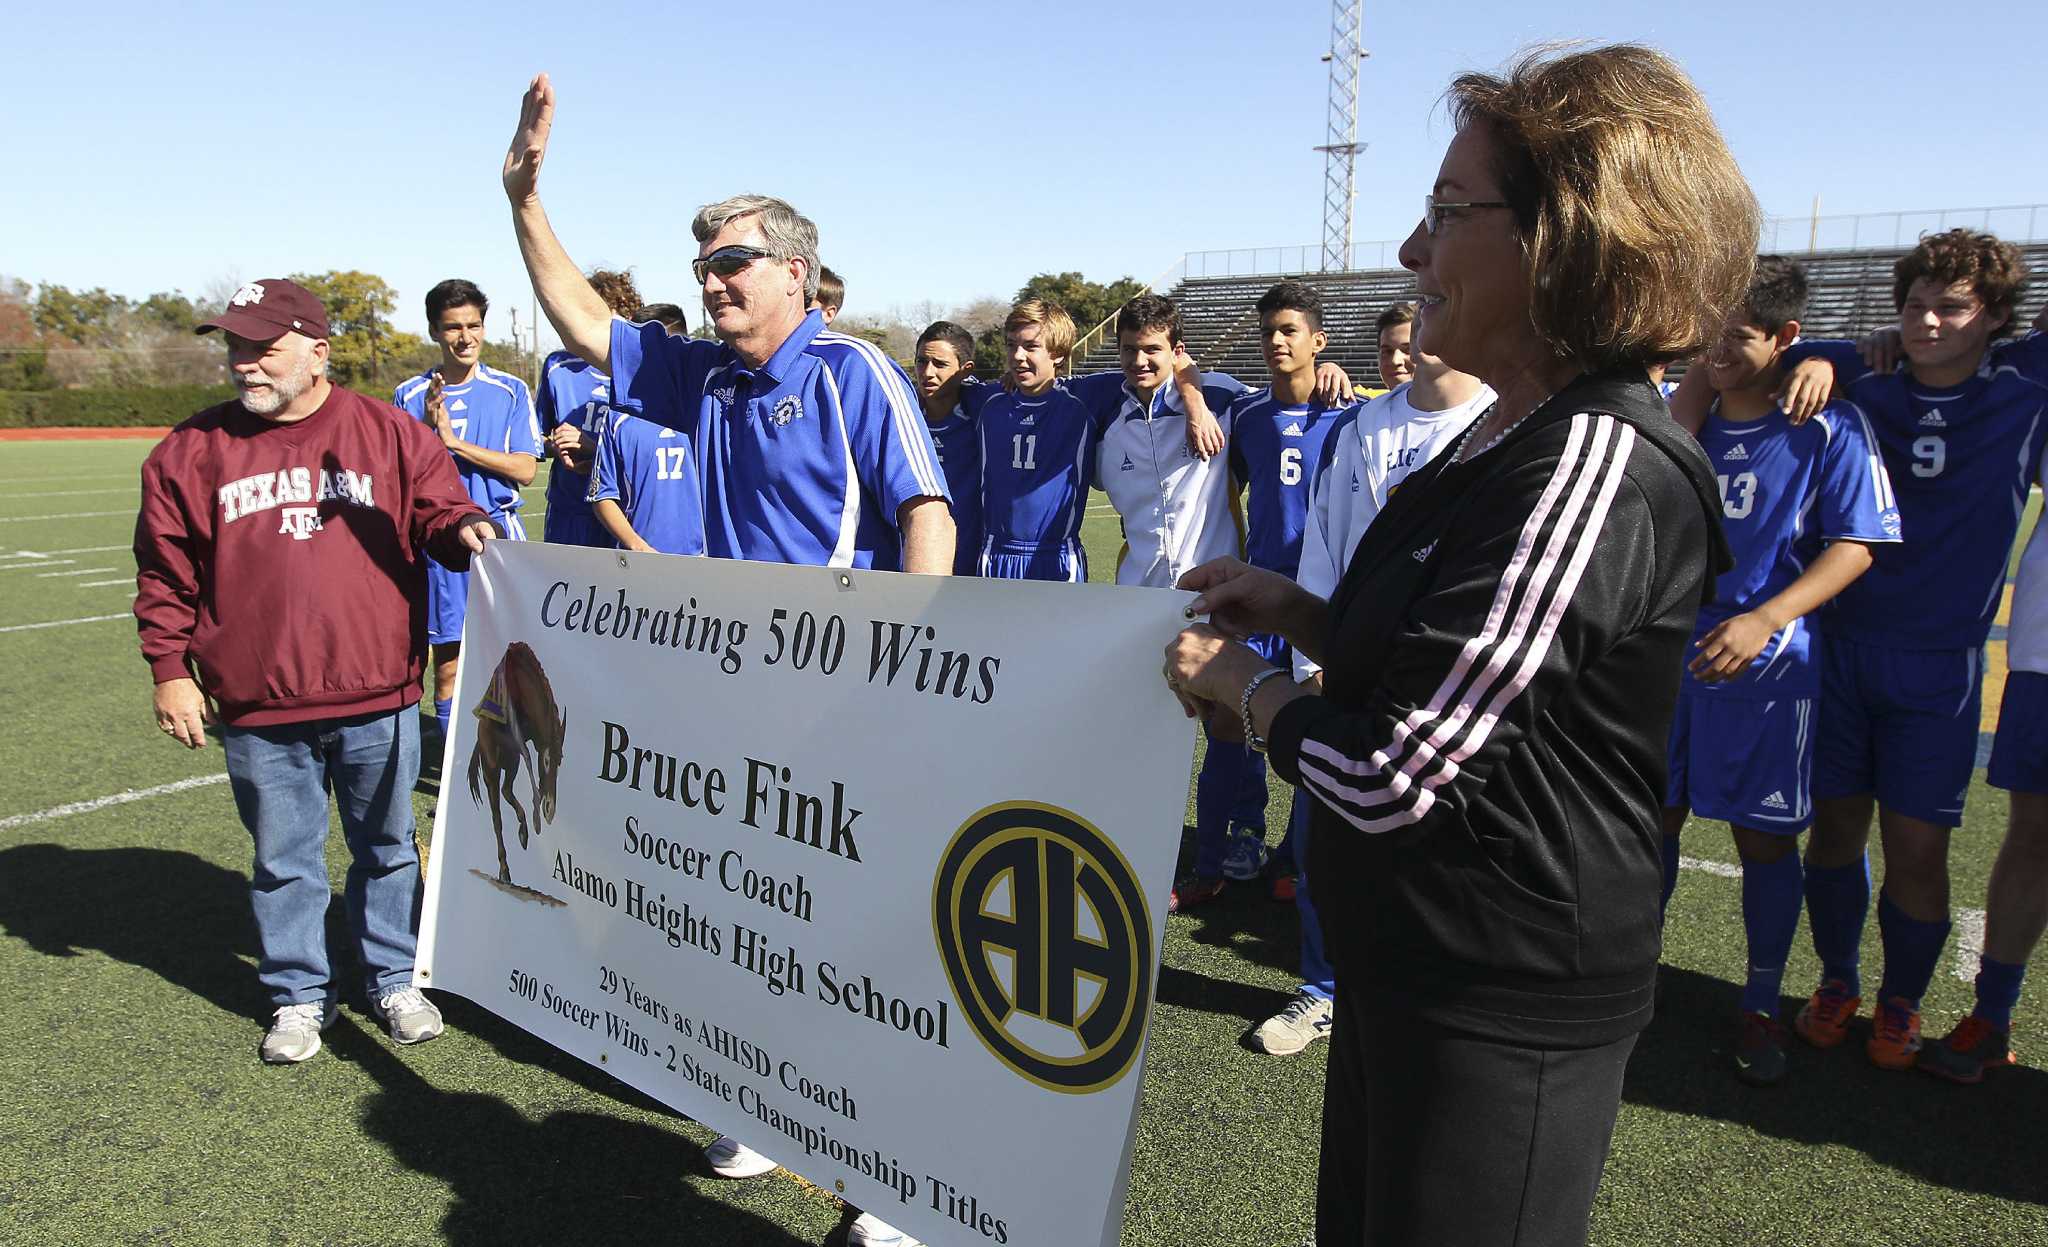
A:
[530,141]
[181,712]
[573,308]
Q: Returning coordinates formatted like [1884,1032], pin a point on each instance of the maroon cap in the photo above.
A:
[271,308]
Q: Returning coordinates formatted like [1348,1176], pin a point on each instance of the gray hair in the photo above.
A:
[789,233]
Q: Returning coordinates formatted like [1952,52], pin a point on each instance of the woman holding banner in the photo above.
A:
[1501,661]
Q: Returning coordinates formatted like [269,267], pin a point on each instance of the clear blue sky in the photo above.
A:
[947,151]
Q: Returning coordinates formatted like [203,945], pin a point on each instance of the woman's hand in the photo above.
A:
[1208,671]
[1241,599]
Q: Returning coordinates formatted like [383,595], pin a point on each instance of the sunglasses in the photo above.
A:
[727,261]
[1434,209]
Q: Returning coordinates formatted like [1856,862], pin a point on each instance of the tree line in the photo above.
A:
[53,337]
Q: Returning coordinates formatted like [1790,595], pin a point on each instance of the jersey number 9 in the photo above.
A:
[1930,456]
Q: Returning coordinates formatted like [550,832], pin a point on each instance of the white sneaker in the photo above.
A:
[1305,1020]
[408,1015]
[730,1158]
[1246,855]
[294,1033]
[869,1230]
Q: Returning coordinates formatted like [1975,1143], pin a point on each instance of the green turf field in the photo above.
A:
[136,1111]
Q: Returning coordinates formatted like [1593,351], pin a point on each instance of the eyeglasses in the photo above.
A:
[728,260]
[1433,210]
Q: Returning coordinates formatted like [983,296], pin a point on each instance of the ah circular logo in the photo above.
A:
[1047,944]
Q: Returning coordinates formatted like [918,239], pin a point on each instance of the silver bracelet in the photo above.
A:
[1244,706]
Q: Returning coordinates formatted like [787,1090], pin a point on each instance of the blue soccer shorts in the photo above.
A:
[575,528]
[1062,561]
[1900,724]
[2019,753]
[1743,760]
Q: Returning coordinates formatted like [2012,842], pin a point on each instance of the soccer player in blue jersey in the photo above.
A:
[1035,437]
[643,480]
[1801,507]
[811,445]
[943,369]
[573,402]
[1276,440]
[1960,427]
[487,422]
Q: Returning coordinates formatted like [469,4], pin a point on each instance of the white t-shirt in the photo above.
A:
[1175,507]
[1388,440]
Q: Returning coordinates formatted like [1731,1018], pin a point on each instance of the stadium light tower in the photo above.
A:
[1340,154]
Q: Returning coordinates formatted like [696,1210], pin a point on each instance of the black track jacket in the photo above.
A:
[1488,756]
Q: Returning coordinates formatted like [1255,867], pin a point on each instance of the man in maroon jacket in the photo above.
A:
[281,593]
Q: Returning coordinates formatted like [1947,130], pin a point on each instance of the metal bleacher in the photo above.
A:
[1850,295]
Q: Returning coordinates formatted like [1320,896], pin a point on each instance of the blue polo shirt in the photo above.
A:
[806,459]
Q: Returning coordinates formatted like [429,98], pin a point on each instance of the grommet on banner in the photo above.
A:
[839,1185]
[845,583]
[622,560]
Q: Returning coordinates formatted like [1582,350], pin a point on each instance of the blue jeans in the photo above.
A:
[281,775]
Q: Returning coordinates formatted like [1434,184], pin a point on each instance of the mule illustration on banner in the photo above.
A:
[1047,941]
[516,713]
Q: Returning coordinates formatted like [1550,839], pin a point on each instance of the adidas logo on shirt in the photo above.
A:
[458,405]
[1028,421]
[1422,555]
[1736,452]
[1292,430]
[1933,420]
[1128,465]
[1776,801]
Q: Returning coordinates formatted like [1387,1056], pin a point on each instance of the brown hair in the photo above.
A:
[1638,230]
[1059,327]
[1148,312]
[1402,313]
[1995,270]
[831,288]
[616,289]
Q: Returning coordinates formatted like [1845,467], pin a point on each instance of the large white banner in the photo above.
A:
[866,870]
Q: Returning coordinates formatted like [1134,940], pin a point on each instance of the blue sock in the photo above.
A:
[1837,900]
[1998,990]
[1912,949]
[443,708]
[1670,875]
[1770,918]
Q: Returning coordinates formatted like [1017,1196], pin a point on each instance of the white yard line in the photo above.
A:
[43,554]
[1969,923]
[100,803]
[68,515]
[1969,933]
[18,567]
[65,623]
[72,493]
[96,584]
[82,571]
[1726,870]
